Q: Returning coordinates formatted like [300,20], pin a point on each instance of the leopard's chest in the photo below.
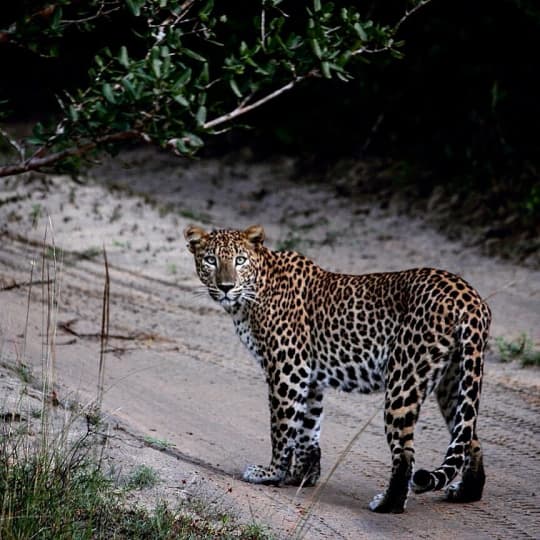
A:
[244,331]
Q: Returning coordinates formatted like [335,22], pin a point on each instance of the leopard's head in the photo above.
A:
[227,262]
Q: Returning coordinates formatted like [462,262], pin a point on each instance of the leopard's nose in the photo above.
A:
[225,287]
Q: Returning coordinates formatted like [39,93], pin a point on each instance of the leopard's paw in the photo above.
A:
[257,474]
[308,480]
[303,476]
[306,468]
[461,492]
[384,504]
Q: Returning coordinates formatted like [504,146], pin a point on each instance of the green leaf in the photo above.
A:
[38,141]
[135,6]
[181,100]
[205,11]
[123,57]
[204,77]
[156,67]
[360,31]
[193,140]
[108,93]
[194,55]
[128,85]
[325,66]
[73,113]
[316,48]
[234,88]
[181,146]
[183,79]
[166,67]
[56,18]
[201,115]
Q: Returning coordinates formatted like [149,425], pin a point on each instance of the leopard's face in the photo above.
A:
[227,263]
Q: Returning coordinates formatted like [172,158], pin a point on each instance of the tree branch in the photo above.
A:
[101,12]
[397,26]
[410,12]
[243,109]
[38,162]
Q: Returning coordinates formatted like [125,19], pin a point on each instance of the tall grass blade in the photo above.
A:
[21,360]
[104,338]
[302,527]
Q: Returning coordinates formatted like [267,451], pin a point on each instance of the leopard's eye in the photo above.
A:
[210,259]
[240,260]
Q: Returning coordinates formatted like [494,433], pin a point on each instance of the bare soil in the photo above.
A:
[177,376]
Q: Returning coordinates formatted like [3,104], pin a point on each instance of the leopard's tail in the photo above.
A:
[463,453]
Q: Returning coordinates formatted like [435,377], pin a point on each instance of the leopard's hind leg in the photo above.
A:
[403,398]
[471,485]
[458,395]
[414,369]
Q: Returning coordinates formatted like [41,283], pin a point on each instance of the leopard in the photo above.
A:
[406,333]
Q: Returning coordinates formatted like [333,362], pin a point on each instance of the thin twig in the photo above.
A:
[139,336]
[39,162]
[397,26]
[22,284]
[101,12]
[372,132]
[410,12]
[243,109]
[263,31]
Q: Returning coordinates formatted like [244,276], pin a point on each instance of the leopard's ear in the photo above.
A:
[195,237]
[255,234]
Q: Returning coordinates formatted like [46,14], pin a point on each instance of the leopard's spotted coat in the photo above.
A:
[407,333]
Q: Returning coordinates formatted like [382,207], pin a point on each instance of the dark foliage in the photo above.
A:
[461,106]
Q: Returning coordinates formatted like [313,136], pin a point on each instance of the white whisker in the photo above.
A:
[201,291]
[250,298]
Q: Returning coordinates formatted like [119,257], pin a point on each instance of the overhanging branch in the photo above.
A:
[243,109]
[38,161]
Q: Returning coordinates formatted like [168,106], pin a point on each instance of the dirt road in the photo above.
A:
[175,372]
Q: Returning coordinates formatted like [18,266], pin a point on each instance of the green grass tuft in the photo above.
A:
[522,349]
[56,493]
[158,444]
[142,477]
[48,495]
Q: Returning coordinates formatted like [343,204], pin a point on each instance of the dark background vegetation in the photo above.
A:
[461,110]
[462,107]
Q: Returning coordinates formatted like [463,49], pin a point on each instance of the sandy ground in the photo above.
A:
[176,373]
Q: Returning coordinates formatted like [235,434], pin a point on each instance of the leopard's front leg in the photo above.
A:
[305,468]
[288,401]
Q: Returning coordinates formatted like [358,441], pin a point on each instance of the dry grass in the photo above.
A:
[52,482]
